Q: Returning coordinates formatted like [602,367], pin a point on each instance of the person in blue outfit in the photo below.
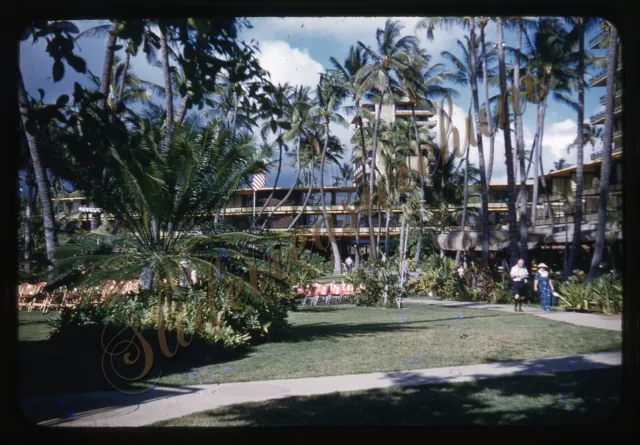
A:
[544,286]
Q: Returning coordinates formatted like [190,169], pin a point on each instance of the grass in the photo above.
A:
[326,340]
[588,397]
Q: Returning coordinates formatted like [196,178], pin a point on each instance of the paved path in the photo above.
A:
[114,409]
[591,320]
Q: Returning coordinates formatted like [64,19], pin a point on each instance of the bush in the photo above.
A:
[232,320]
[607,293]
[574,295]
[377,278]
[438,278]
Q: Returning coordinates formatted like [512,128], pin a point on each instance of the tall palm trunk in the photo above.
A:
[545,193]
[402,251]
[123,82]
[464,205]
[107,66]
[524,235]
[182,110]
[166,74]
[235,115]
[362,185]
[337,260]
[372,182]
[483,177]
[379,226]
[295,183]
[28,215]
[306,199]
[577,210]
[605,176]
[511,185]
[416,258]
[386,231]
[520,192]
[536,157]
[44,192]
[487,108]
[275,182]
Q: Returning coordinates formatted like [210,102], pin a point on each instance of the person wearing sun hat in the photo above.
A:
[544,286]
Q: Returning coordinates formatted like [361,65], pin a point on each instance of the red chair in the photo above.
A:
[348,290]
[25,295]
[39,297]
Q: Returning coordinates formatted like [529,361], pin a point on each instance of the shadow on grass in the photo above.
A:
[316,331]
[591,397]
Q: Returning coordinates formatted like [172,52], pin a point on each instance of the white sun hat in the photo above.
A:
[543,265]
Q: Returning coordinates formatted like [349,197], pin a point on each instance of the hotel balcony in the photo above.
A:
[599,79]
[407,112]
[294,210]
[598,118]
[598,40]
[598,155]
[617,97]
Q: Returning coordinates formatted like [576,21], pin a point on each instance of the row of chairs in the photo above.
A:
[329,291]
[34,296]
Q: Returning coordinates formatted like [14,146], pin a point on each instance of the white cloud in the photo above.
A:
[287,64]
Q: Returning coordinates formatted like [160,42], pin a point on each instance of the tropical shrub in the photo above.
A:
[574,295]
[438,278]
[607,294]
[378,280]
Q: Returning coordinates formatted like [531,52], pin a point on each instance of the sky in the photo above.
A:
[298,49]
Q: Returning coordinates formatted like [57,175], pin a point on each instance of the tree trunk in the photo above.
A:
[275,182]
[535,158]
[123,83]
[166,74]
[464,204]
[379,227]
[28,214]
[337,260]
[544,192]
[483,177]
[401,248]
[235,115]
[182,110]
[577,210]
[295,183]
[524,235]
[386,233]
[44,192]
[605,176]
[372,182]
[487,108]
[306,199]
[511,185]
[107,66]
[533,145]
[420,185]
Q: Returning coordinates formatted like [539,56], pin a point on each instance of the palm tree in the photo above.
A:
[605,176]
[347,74]
[42,182]
[300,106]
[560,164]
[521,24]
[421,83]
[380,78]
[275,108]
[580,25]
[552,67]
[329,99]
[469,23]
[511,186]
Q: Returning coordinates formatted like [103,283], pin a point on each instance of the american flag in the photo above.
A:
[259,180]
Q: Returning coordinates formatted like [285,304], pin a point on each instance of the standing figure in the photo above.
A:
[544,286]
[349,263]
[519,277]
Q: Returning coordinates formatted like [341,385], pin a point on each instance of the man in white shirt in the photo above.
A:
[349,263]
[519,276]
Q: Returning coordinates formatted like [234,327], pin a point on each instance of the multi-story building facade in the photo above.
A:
[600,41]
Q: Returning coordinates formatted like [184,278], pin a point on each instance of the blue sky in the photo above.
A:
[298,49]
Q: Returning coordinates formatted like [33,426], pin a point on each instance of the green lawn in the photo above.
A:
[330,340]
[590,397]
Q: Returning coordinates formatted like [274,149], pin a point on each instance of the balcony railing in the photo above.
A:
[597,40]
[599,116]
[616,94]
[598,155]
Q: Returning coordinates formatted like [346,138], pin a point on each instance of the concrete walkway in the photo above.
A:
[611,323]
[115,409]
